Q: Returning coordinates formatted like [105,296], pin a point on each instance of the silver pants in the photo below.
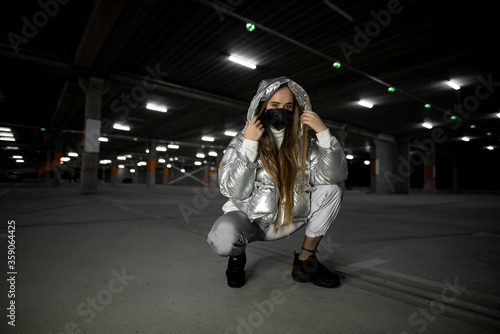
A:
[232,231]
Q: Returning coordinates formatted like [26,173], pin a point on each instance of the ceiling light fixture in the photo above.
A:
[212,153]
[122,127]
[103,139]
[365,104]
[200,155]
[230,133]
[161,148]
[465,138]
[5,129]
[156,107]
[427,125]
[498,115]
[206,138]
[453,85]
[7,139]
[349,156]
[490,148]
[242,62]
[173,146]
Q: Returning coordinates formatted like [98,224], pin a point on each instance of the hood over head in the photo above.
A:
[268,87]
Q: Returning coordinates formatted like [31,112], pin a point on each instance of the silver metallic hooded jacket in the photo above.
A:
[247,184]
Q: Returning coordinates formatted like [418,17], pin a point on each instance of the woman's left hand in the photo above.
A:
[312,119]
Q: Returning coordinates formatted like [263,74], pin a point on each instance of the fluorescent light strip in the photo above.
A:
[465,138]
[156,107]
[161,148]
[453,85]
[206,138]
[7,139]
[230,133]
[5,129]
[122,127]
[173,146]
[365,104]
[242,62]
[427,125]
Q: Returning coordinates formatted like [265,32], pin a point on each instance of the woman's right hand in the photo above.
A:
[253,130]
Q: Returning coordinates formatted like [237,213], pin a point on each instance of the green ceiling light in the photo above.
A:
[427,106]
[135,139]
[202,146]
[391,89]
[472,126]
[453,117]
[43,129]
[250,26]
[337,65]
[488,133]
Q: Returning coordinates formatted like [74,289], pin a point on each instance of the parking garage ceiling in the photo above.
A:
[175,54]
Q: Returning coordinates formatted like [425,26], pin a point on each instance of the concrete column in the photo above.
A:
[165,175]
[94,89]
[113,177]
[430,171]
[136,175]
[381,166]
[56,163]
[454,187]
[151,168]
[402,166]
[48,166]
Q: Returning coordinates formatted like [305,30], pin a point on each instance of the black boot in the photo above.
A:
[236,270]
[311,270]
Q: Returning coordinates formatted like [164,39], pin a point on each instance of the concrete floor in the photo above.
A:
[135,260]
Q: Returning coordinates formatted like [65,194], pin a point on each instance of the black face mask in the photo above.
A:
[278,118]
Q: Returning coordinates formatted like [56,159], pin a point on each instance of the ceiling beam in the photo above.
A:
[99,26]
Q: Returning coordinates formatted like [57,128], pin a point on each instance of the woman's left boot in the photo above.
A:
[235,272]
[311,270]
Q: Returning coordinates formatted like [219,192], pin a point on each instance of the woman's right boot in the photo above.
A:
[235,272]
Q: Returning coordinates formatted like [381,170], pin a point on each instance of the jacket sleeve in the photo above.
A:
[328,164]
[236,172]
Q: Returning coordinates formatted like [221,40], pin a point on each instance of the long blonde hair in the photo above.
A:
[283,166]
